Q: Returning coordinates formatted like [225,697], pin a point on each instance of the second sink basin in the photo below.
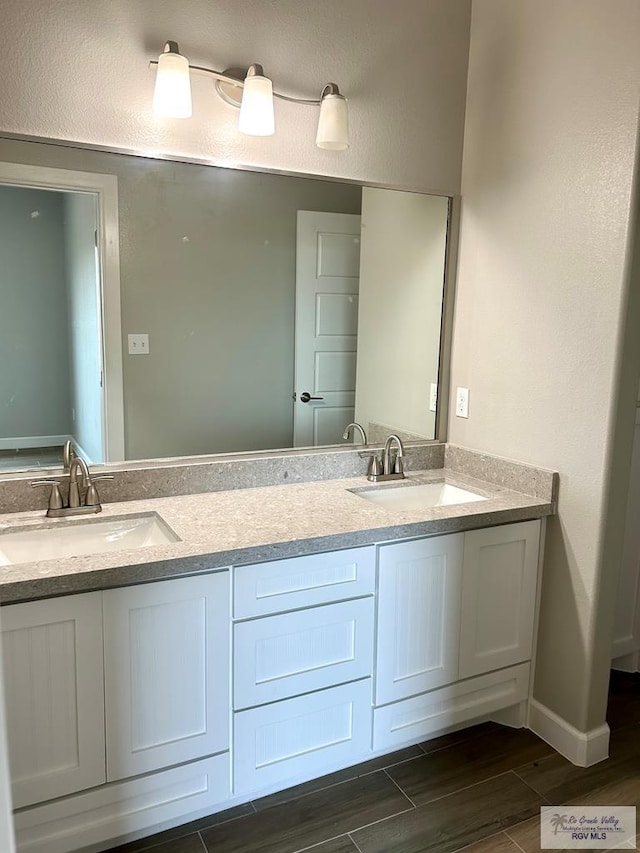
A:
[411,497]
[28,544]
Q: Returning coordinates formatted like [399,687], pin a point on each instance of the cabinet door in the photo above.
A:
[418,616]
[166,673]
[52,655]
[500,574]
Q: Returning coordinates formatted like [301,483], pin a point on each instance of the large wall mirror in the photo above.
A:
[258,311]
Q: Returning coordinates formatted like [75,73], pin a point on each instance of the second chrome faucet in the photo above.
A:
[390,465]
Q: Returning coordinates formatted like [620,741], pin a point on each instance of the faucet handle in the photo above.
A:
[374,466]
[374,469]
[55,498]
[92,498]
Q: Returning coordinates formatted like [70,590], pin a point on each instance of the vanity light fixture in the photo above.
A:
[251,92]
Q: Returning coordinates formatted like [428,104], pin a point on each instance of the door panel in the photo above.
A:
[418,616]
[327,283]
[498,596]
[166,673]
[52,652]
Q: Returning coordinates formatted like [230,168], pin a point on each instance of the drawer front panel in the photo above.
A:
[266,588]
[302,736]
[421,716]
[293,653]
[105,814]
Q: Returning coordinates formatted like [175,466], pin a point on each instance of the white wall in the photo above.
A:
[552,119]
[85,323]
[83,64]
[402,252]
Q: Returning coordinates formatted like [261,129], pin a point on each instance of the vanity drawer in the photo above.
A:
[301,738]
[298,582]
[417,718]
[293,653]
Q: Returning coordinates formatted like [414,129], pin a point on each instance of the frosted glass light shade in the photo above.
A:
[256,111]
[172,95]
[333,124]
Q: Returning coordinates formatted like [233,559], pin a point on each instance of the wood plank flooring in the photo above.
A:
[479,790]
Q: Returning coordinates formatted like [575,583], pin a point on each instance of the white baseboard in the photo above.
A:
[25,442]
[581,748]
[627,663]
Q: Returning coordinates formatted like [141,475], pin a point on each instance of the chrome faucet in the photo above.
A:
[356,427]
[391,466]
[85,480]
[83,496]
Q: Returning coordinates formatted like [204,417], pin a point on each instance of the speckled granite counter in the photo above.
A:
[241,526]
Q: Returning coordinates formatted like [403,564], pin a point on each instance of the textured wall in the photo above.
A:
[77,70]
[552,115]
[34,357]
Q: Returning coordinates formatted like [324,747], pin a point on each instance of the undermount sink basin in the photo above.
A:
[428,495]
[71,539]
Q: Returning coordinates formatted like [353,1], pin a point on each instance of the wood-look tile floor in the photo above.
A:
[478,790]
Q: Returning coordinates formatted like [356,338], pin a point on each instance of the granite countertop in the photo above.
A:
[242,526]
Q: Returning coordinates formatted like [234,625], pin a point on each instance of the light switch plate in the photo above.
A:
[462,402]
[433,397]
[138,344]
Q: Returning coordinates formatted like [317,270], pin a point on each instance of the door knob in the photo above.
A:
[306,396]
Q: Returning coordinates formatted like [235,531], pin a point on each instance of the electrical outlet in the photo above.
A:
[138,344]
[462,402]
[433,397]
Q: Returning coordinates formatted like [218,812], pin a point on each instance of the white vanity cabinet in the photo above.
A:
[52,655]
[166,648]
[106,686]
[454,630]
[165,701]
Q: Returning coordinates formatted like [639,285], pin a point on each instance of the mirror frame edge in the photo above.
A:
[448,311]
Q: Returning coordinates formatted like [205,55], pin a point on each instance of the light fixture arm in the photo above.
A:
[256,68]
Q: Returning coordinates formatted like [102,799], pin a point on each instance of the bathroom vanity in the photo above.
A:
[291,631]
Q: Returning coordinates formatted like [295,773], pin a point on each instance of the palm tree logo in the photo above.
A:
[558,822]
